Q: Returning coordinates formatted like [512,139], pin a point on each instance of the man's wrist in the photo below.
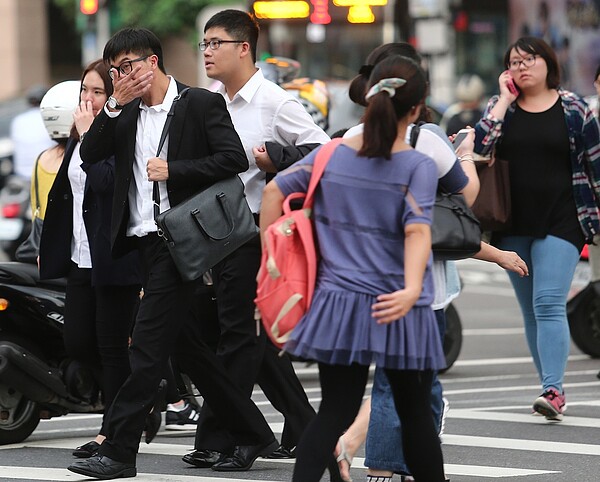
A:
[113,104]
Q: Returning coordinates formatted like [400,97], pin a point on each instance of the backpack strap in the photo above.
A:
[321,160]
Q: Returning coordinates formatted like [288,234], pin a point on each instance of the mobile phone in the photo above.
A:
[460,136]
[512,86]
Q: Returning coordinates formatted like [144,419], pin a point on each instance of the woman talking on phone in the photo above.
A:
[550,139]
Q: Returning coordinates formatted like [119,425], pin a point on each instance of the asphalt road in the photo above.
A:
[490,431]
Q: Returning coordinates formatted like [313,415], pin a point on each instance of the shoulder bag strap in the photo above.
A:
[319,165]
[38,207]
[161,142]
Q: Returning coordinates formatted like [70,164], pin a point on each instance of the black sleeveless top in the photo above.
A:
[536,146]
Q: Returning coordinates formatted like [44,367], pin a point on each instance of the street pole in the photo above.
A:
[102,28]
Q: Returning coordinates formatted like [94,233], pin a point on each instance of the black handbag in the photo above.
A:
[204,229]
[28,250]
[455,231]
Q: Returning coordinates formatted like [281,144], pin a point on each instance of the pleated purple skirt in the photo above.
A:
[339,330]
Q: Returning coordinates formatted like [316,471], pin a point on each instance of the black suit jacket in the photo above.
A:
[57,231]
[203,147]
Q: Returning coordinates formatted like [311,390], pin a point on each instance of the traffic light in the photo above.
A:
[88,7]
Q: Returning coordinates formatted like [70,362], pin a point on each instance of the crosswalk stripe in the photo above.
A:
[568,421]
[42,473]
[179,450]
[492,472]
[521,444]
[516,388]
[60,475]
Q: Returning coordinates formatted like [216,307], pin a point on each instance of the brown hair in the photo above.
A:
[537,46]
[102,70]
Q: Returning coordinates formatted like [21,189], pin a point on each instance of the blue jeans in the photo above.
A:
[542,297]
[384,437]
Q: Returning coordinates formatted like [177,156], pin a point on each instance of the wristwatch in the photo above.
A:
[112,103]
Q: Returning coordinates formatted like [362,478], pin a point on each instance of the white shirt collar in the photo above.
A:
[249,89]
[168,99]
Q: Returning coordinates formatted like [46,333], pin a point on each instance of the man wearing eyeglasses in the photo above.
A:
[276,131]
[202,147]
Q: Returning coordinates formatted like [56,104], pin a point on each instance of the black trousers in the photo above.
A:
[158,334]
[98,322]
[247,353]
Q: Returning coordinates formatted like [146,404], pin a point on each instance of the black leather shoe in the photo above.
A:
[203,459]
[282,452]
[86,450]
[244,456]
[104,468]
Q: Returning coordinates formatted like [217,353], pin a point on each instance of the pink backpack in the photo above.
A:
[288,268]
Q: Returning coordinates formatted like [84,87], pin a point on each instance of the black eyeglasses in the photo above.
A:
[126,67]
[215,44]
[528,61]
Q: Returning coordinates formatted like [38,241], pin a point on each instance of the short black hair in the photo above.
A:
[139,41]
[239,24]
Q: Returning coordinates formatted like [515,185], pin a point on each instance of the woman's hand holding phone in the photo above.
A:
[508,88]
[464,141]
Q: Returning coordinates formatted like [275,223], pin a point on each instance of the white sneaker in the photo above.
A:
[185,418]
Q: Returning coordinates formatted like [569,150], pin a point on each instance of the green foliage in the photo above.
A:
[163,17]
[69,7]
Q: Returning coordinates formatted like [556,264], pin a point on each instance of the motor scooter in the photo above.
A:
[37,378]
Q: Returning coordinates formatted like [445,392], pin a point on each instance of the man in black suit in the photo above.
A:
[202,147]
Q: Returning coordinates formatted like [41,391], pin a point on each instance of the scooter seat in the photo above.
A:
[26,274]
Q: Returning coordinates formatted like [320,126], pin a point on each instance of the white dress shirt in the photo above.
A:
[80,246]
[262,111]
[150,123]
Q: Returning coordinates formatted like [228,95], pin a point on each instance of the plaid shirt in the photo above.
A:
[584,144]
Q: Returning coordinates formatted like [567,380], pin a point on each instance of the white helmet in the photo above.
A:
[58,106]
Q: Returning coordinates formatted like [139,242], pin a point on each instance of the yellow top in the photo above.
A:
[45,181]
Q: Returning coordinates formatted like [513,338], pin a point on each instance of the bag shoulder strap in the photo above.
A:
[319,165]
[161,143]
[165,130]
[414,133]
[38,208]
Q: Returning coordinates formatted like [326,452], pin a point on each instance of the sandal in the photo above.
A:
[343,457]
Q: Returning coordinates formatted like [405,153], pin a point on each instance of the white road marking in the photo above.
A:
[492,472]
[508,361]
[516,388]
[493,331]
[38,473]
[488,290]
[521,444]
[494,416]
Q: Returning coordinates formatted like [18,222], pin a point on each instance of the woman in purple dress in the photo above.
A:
[372,302]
